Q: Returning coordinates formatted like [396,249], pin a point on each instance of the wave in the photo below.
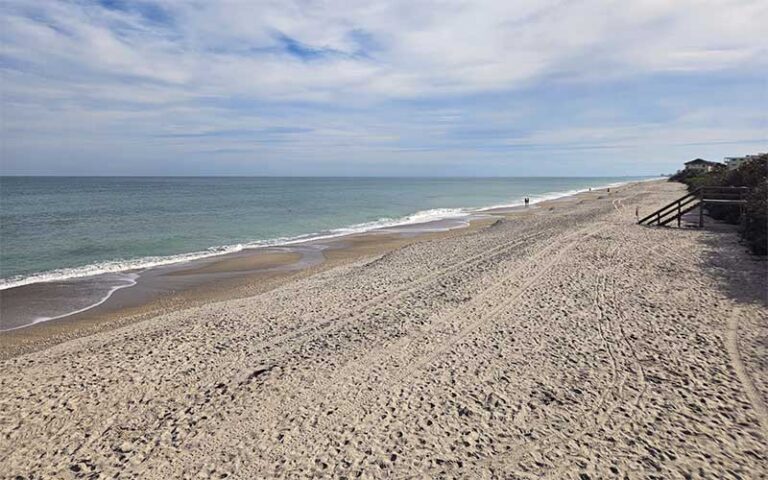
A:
[112,266]
[127,265]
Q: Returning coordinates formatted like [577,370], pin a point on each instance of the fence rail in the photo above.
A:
[697,198]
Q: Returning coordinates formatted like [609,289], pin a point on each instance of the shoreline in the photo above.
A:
[420,222]
[420,217]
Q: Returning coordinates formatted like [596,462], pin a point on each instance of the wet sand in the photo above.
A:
[243,263]
[561,342]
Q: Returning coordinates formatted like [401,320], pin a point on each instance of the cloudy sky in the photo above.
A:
[438,87]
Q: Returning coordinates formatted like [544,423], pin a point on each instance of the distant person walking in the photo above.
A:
[526,201]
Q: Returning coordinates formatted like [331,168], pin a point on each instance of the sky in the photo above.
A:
[434,87]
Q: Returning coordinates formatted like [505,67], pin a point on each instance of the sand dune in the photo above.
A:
[565,343]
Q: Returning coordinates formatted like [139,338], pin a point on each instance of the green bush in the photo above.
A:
[756,225]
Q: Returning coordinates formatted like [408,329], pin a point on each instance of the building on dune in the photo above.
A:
[700,165]
[735,162]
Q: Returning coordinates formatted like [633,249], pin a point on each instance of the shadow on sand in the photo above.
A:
[741,275]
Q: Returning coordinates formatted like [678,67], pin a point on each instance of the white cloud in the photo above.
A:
[409,48]
[127,77]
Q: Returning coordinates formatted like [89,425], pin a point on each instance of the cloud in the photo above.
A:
[292,78]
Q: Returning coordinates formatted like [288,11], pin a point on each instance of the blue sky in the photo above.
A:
[332,87]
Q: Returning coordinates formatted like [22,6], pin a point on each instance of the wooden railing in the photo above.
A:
[697,198]
[674,210]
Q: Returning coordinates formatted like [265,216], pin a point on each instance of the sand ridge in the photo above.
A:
[565,343]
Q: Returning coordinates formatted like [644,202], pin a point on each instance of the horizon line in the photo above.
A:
[328,176]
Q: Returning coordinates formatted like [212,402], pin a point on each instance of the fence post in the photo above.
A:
[742,210]
[678,214]
[701,208]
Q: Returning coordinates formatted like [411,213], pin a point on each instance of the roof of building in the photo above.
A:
[701,161]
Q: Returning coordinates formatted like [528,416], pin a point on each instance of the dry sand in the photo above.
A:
[567,342]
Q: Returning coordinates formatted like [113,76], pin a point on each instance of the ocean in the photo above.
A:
[57,228]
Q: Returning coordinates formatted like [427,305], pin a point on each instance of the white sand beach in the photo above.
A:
[564,341]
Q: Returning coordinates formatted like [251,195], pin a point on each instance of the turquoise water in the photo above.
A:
[53,228]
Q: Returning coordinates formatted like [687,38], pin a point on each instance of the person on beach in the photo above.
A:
[526,201]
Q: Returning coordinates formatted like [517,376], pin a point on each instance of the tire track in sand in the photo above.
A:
[397,378]
[388,297]
[734,352]
[594,418]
